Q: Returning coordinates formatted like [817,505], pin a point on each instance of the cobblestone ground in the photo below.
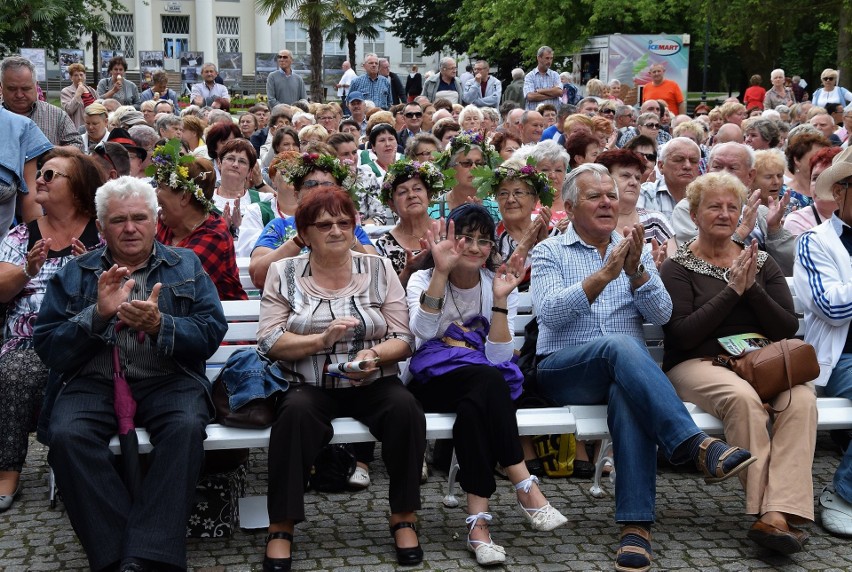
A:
[699,528]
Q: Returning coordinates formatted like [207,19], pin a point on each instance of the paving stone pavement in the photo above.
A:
[699,527]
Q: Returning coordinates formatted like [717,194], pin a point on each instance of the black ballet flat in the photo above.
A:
[278,564]
[406,556]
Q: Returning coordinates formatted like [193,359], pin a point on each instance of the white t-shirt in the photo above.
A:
[245,202]
[251,228]
[346,79]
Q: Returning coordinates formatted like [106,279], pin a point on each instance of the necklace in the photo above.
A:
[455,304]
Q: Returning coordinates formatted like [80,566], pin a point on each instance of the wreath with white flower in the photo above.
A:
[169,167]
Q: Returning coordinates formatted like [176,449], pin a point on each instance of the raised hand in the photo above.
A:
[635,237]
[545,215]
[446,252]
[113,291]
[37,256]
[659,252]
[776,213]
[507,278]
[142,315]
[77,247]
[337,329]
[614,265]
[749,217]
[741,274]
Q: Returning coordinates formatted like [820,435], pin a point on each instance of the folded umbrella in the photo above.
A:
[125,410]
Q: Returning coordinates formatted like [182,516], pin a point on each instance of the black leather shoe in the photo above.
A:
[278,564]
[406,556]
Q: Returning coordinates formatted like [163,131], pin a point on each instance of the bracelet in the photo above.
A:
[297,240]
[26,272]
[375,353]
[500,310]
[431,302]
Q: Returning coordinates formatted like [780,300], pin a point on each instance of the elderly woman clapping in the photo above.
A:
[721,288]
[332,305]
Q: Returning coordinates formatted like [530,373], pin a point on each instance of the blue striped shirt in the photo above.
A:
[376,90]
[536,80]
[565,316]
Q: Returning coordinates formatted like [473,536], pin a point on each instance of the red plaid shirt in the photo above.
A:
[213,244]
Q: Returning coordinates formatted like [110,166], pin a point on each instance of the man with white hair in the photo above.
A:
[284,85]
[18,87]
[826,125]
[542,85]
[592,288]
[206,91]
[678,163]
[483,90]
[397,89]
[514,92]
[372,85]
[513,122]
[444,84]
[130,289]
[650,106]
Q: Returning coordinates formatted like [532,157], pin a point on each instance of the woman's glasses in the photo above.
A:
[482,243]
[829,79]
[517,195]
[343,225]
[652,125]
[314,184]
[49,174]
[469,164]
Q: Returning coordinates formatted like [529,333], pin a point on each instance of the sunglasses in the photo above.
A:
[469,164]
[608,112]
[652,125]
[343,225]
[700,114]
[829,78]
[414,114]
[649,156]
[49,174]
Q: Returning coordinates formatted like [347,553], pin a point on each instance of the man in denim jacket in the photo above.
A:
[164,293]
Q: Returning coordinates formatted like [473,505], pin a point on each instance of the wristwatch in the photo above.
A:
[431,301]
[638,274]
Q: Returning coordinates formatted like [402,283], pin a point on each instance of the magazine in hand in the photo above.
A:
[743,343]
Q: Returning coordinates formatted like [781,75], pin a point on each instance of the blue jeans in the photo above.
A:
[644,411]
[840,385]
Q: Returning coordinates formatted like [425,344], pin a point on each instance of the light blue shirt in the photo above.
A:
[565,316]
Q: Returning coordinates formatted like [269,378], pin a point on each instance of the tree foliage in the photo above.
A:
[364,22]
[53,24]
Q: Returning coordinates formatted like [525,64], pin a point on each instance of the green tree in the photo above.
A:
[364,21]
[52,24]
[312,14]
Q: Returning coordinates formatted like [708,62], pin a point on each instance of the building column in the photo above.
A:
[205,30]
[262,34]
[144,23]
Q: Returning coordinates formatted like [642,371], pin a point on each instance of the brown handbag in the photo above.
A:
[775,368]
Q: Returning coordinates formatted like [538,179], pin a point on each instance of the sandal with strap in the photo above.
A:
[406,556]
[278,564]
[487,553]
[632,558]
[542,519]
[719,475]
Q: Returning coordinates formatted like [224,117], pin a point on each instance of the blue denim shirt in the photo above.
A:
[193,322]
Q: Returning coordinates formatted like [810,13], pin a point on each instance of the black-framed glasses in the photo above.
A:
[49,174]
[469,164]
[482,243]
[652,125]
[314,184]
[414,114]
[343,224]
[607,112]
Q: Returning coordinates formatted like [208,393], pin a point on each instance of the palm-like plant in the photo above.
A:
[364,21]
[312,14]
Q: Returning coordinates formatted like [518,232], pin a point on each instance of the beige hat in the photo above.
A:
[841,168]
[96,109]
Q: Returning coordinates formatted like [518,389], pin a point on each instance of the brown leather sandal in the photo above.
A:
[634,551]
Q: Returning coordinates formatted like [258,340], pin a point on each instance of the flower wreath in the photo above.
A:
[487,181]
[297,166]
[169,167]
[408,169]
[463,142]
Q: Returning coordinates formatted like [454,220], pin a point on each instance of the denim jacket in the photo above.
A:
[193,322]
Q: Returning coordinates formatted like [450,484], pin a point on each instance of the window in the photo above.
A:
[176,25]
[227,34]
[412,54]
[376,46]
[121,26]
[333,48]
[296,38]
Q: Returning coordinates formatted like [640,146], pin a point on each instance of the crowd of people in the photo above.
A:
[123,215]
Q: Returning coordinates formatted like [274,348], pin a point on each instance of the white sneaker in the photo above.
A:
[836,512]
[360,479]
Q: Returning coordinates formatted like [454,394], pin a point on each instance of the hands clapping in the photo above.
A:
[743,270]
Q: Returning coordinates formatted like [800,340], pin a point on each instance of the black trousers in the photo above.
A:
[302,428]
[486,429]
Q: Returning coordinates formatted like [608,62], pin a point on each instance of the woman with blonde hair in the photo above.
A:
[830,92]
[733,112]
